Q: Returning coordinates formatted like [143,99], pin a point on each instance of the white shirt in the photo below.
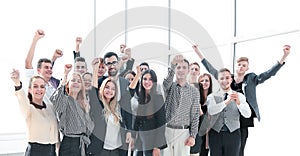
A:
[113,138]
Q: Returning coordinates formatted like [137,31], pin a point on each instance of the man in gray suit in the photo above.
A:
[246,83]
[225,136]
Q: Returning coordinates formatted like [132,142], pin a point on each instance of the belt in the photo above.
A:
[178,127]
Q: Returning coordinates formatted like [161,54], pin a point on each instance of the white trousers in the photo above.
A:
[175,141]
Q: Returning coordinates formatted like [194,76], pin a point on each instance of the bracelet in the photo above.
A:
[18,87]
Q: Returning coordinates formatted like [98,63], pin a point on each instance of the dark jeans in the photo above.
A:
[224,143]
[70,146]
[37,149]
[244,136]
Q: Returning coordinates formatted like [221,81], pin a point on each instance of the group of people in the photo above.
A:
[115,111]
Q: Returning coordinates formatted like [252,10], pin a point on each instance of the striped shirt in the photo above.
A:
[182,103]
[72,118]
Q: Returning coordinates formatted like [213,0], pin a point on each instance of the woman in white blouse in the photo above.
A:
[39,116]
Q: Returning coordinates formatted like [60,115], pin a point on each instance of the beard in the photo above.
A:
[112,72]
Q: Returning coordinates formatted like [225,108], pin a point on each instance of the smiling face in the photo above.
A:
[182,70]
[102,70]
[109,91]
[37,89]
[75,83]
[147,82]
[225,79]
[111,64]
[205,81]
[87,78]
[45,70]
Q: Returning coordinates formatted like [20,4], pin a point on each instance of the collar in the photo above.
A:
[38,106]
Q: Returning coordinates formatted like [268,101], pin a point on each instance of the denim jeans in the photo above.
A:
[37,149]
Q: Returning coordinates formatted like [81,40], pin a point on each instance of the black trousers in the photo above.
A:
[37,149]
[224,143]
[244,136]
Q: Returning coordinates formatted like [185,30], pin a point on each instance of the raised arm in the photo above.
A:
[68,68]
[167,83]
[286,52]
[209,67]
[95,66]
[57,54]
[78,41]
[28,61]
[135,80]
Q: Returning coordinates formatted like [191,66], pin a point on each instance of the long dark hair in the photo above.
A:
[143,98]
[202,96]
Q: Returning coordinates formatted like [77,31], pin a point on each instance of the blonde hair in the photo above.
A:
[81,96]
[112,106]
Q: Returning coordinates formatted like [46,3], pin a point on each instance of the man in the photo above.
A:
[144,66]
[226,106]
[44,65]
[194,73]
[182,109]
[246,83]
[80,65]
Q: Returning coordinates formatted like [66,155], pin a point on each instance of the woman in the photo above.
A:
[70,103]
[205,88]
[150,120]
[39,116]
[110,132]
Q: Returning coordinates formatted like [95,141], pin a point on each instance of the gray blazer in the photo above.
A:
[251,80]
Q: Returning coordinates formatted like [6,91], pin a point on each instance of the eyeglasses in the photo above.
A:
[111,63]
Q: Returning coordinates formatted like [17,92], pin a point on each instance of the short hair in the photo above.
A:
[195,63]
[79,59]
[144,64]
[185,60]
[87,73]
[224,70]
[42,60]
[242,59]
[110,54]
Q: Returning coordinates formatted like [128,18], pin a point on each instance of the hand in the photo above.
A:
[177,59]
[68,68]
[138,70]
[15,76]
[96,61]
[235,97]
[39,34]
[286,49]
[190,141]
[78,40]
[195,47]
[129,140]
[57,53]
[156,152]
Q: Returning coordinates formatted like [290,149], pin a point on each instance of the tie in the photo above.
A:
[225,96]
